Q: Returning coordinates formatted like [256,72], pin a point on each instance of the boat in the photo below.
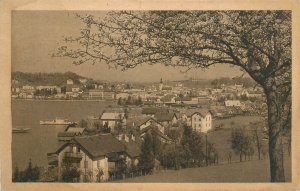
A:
[21,130]
[57,121]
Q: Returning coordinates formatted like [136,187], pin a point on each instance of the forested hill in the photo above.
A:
[58,79]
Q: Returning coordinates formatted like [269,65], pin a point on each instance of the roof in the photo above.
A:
[111,116]
[75,130]
[154,128]
[137,121]
[202,112]
[133,148]
[66,134]
[96,145]
[164,116]
[100,145]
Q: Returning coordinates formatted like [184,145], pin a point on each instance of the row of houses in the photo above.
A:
[100,157]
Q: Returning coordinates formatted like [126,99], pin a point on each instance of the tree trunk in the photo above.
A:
[275,122]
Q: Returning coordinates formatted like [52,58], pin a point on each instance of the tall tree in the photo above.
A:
[147,158]
[259,42]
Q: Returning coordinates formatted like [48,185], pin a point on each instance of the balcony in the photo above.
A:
[72,157]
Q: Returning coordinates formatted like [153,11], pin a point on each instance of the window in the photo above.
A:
[98,164]
[78,150]
[86,164]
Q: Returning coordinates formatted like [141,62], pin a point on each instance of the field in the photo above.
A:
[250,171]
[237,121]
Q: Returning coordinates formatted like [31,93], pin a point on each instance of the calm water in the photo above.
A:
[43,139]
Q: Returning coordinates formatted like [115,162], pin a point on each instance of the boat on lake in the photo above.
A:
[57,121]
[21,130]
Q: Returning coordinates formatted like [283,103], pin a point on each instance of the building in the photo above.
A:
[166,118]
[95,94]
[52,88]
[112,119]
[94,156]
[27,87]
[154,130]
[70,82]
[232,103]
[70,133]
[108,95]
[199,119]
[139,123]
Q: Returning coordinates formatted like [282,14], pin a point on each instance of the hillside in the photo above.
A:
[57,79]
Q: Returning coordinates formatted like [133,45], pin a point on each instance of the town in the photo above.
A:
[140,132]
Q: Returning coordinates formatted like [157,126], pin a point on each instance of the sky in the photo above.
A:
[37,34]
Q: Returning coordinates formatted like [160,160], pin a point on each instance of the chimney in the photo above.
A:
[126,138]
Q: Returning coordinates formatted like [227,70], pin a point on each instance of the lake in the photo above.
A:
[42,139]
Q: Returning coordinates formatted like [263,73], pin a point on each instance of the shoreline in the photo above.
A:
[59,100]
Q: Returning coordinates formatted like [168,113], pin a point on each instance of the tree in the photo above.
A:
[147,159]
[70,174]
[257,140]
[106,128]
[156,143]
[258,42]
[241,143]
[30,174]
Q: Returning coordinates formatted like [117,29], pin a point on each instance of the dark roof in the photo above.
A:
[133,148]
[100,145]
[66,134]
[154,128]
[164,116]
[138,121]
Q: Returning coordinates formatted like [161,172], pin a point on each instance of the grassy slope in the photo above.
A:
[251,171]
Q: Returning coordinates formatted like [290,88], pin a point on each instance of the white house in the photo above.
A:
[199,119]
[70,82]
[112,119]
[231,103]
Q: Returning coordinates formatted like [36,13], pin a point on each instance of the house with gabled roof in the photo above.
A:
[139,123]
[199,119]
[94,156]
[154,130]
[166,118]
[112,119]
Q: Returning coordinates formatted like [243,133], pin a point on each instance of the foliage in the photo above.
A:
[147,158]
[130,101]
[70,175]
[241,142]
[30,174]
[57,79]
[105,128]
[193,147]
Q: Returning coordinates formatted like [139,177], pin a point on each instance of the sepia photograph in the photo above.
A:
[151,96]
